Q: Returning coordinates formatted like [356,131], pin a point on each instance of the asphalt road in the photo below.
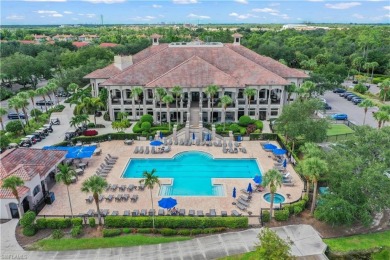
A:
[354,112]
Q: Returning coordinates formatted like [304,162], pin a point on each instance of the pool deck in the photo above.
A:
[125,152]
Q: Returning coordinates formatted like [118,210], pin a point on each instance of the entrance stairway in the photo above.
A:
[194,117]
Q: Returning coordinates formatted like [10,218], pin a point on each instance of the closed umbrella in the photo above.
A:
[249,189]
[161,135]
[193,136]
[258,179]
[167,203]
[234,192]
[269,147]
[285,163]
[279,151]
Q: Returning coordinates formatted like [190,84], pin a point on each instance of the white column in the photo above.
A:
[110,109]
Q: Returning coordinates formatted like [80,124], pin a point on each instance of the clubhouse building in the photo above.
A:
[194,66]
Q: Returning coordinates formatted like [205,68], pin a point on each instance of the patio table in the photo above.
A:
[79,171]
[82,165]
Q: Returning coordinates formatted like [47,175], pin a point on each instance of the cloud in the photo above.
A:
[57,15]
[143,18]
[342,6]
[105,1]
[14,17]
[185,2]
[45,0]
[387,7]
[264,10]
[156,6]
[45,12]
[88,15]
[241,1]
[274,4]
[68,12]
[358,16]
[242,16]
[198,16]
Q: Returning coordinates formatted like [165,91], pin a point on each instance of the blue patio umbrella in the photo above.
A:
[258,179]
[208,137]
[167,203]
[234,192]
[156,143]
[161,135]
[279,151]
[193,136]
[269,147]
[249,189]
[77,152]
[285,163]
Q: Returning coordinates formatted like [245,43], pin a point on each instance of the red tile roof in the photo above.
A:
[104,73]
[7,193]
[108,44]
[27,42]
[268,63]
[80,44]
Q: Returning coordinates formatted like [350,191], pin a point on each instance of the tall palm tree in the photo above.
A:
[31,94]
[367,103]
[385,89]
[177,91]
[52,88]
[249,93]
[313,168]
[167,99]
[17,103]
[136,94]
[65,175]
[149,179]
[89,105]
[78,119]
[13,182]
[290,89]
[224,103]
[122,115]
[382,117]
[95,185]
[24,103]
[273,179]
[3,112]
[373,65]
[211,90]
[42,91]
[160,93]
[306,89]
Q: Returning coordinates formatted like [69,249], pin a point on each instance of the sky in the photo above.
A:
[57,12]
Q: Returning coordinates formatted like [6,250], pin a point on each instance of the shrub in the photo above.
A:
[168,232]
[4,141]
[297,209]
[28,219]
[137,128]
[234,127]
[266,217]
[144,230]
[57,234]
[58,223]
[77,222]
[244,120]
[41,223]
[106,116]
[147,118]
[30,230]
[305,198]
[145,126]
[290,208]
[242,131]
[360,88]
[258,124]
[5,93]
[282,215]
[76,231]
[92,222]
[195,232]
[90,133]
[91,125]
[184,232]
[127,230]
[111,232]
[250,128]
[35,112]
[14,126]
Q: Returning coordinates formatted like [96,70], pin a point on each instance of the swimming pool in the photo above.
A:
[192,172]
[278,198]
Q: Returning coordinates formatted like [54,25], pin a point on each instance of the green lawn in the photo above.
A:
[359,242]
[99,242]
[246,256]
[339,129]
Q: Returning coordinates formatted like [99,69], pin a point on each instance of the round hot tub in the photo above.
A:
[278,198]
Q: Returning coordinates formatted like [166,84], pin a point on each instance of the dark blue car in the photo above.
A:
[339,116]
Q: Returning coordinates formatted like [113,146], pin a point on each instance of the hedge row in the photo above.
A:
[263,136]
[57,223]
[175,222]
[163,231]
[105,137]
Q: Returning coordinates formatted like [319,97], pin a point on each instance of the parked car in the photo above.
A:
[357,101]
[339,90]
[55,121]
[14,115]
[346,96]
[25,142]
[90,132]
[350,97]
[70,135]
[32,138]
[63,94]
[48,127]
[44,103]
[44,130]
[327,106]
[36,136]
[339,116]
[345,93]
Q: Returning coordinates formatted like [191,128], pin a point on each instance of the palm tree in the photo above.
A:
[42,91]
[167,99]
[306,89]
[211,90]
[290,89]
[31,94]
[136,94]
[23,96]
[382,117]
[78,119]
[150,180]
[367,103]
[65,175]
[249,93]
[273,179]
[122,115]
[17,103]
[52,87]
[96,185]
[385,89]
[177,91]
[89,105]
[313,168]
[3,112]
[13,182]
[160,93]
[373,65]
[224,103]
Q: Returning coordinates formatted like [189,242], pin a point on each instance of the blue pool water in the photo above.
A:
[278,198]
[192,172]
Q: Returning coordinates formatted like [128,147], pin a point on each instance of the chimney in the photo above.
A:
[123,62]
[237,39]
[155,37]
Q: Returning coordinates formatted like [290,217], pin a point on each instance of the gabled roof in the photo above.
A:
[108,44]
[7,193]
[80,44]
[268,63]
[186,75]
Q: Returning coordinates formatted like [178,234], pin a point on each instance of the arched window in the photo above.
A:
[36,190]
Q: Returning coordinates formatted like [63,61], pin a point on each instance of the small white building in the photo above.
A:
[34,167]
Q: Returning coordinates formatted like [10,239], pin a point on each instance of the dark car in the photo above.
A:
[13,115]
[356,100]
[345,93]
[350,97]
[327,107]
[48,127]
[25,142]
[36,136]
[347,96]
[44,103]
[355,82]
[339,90]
